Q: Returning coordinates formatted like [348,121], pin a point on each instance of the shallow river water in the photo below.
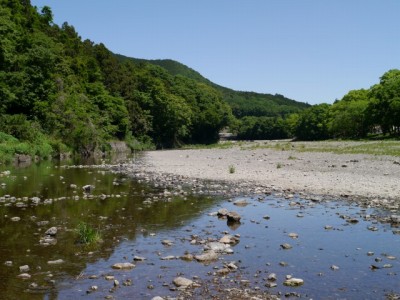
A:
[337,259]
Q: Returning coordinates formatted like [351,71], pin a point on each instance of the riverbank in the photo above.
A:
[372,177]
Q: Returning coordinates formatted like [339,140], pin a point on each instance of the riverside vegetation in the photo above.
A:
[62,94]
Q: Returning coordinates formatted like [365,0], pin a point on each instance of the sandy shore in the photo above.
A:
[309,172]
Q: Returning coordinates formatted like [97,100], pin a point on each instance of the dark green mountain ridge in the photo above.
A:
[243,103]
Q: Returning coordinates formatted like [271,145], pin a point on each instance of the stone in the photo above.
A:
[24,276]
[182,282]
[286,246]
[139,258]
[233,216]
[109,277]
[8,263]
[334,268]
[24,269]
[167,243]
[88,188]
[15,219]
[187,257]
[395,218]
[216,247]
[207,256]
[229,239]
[51,231]
[169,257]
[232,266]
[294,282]
[46,241]
[271,284]
[223,271]
[223,212]
[293,235]
[272,277]
[55,262]
[123,266]
[157,298]
[241,203]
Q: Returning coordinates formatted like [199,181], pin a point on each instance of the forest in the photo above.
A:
[60,94]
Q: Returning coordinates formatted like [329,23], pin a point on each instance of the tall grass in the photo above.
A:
[87,234]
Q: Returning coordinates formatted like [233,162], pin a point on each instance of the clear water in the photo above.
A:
[130,228]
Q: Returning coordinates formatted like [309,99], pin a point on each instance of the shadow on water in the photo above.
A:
[115,208]
[130,228]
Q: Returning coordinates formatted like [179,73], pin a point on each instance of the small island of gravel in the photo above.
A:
[310,168]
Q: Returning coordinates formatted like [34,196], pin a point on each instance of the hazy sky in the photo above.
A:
[308,50]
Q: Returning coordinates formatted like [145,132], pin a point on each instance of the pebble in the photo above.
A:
[55,262]
[207,256]
[182,282]
[293,282]
[286,246]
[24,276]
[123,266]
[24,269]
[334,268]
[51,231]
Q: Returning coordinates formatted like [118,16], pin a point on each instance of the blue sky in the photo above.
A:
[308,50]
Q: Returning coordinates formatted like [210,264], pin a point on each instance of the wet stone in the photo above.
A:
[182,282]
[294,282]
[51,231]
[286,246]
[123,266]
[24,269]
[207,256]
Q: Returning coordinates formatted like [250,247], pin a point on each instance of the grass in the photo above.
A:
[232,169]
[220,145]
[385,147]
[87,234]
[279,165]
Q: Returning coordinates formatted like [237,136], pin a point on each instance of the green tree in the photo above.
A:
[313,123]
[348,116]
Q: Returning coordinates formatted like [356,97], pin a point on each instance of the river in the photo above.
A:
[340,251]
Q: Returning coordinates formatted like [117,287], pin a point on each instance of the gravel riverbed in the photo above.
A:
[376,178]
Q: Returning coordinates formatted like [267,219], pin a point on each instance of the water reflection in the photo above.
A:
[131,228]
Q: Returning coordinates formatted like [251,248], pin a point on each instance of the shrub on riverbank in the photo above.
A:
[10,147]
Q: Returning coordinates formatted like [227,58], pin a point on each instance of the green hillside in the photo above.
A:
[60,93]
[242,103]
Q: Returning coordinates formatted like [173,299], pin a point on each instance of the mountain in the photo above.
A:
[242,103]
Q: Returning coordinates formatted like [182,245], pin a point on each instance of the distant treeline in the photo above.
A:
[359,114]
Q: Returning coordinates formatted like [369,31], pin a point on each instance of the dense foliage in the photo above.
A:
[358,114]
[78,95]
[242,103]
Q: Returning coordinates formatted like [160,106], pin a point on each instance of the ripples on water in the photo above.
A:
[130,228]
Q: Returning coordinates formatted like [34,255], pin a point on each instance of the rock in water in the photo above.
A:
[233,216]
[51,231]
[207,256]
[182,282]
[55,262]
[293,282]
[123,266]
